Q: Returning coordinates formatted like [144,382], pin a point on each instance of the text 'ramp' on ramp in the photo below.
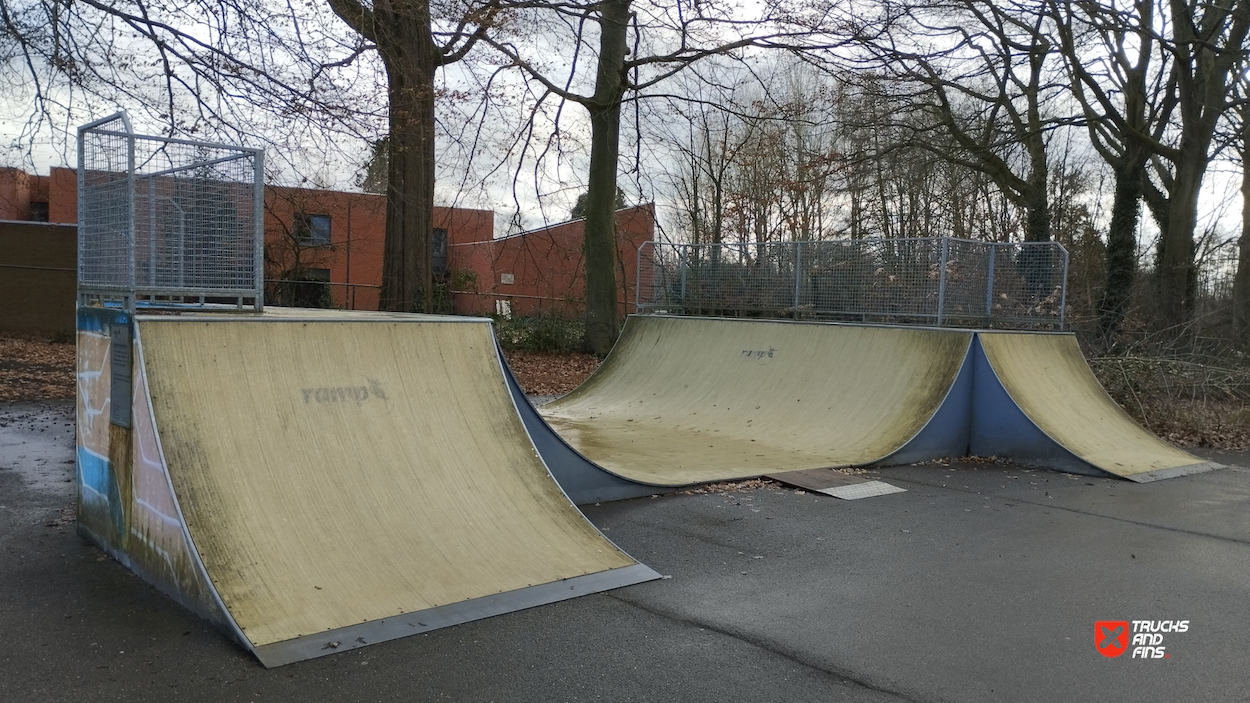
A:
[683,400]
[1069,423]
[348,482]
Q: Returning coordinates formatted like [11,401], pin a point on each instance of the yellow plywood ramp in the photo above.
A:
[1048,380]
[349,479]
[689,400]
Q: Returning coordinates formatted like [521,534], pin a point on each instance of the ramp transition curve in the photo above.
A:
[689,400]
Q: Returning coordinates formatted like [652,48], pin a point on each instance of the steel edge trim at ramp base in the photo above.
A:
[354,636]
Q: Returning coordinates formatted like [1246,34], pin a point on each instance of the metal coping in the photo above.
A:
[841,323]
[231,315]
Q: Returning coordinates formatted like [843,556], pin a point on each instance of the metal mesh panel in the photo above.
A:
[168,220]
[936,281]
[104,213]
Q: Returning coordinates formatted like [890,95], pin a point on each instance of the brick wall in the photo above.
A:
[544,269]
[37,279]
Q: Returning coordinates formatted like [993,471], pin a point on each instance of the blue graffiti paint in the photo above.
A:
[95,319]
[96,473]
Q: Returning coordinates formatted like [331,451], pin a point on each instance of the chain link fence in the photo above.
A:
[167,221]
[933,281]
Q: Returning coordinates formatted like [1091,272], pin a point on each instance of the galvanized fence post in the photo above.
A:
[82,222]
[638,275]
[130,214]
[798,275]
[685,252]
[258,228]
[151,231]
[1063,295]
[989,287]
[946,242]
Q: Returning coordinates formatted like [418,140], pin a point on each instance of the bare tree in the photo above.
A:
[1121,81]
[210,65]
[969,80]
[1154,80]
[634,46]
[1241,282]
[805,160]
[407,36]
[1208,41]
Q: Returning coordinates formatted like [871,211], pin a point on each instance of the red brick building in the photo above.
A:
[332,237]
[543,269]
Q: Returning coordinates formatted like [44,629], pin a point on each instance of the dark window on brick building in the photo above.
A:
[440,252]
[312,229]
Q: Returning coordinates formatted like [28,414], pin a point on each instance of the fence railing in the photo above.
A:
[933,280]
[168,221]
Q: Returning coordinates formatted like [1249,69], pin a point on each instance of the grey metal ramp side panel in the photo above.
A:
[1000,428]
[351,637]
[948,433]
[582,480]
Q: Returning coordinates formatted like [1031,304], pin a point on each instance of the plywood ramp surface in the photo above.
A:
[689,400]
[334,473]
[1049,379]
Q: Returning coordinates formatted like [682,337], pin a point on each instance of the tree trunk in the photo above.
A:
[408,267]
[1241,282]
[1037,194]
[602,321]
[1037,264]
[1121,257]
[1175,259]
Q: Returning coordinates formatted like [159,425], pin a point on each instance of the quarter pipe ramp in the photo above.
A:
[313,482]
[685,400]
[689,400]
[1038,402]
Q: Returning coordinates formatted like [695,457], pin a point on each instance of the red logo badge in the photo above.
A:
[1111,637]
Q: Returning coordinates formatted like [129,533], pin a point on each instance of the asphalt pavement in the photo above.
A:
[982,582]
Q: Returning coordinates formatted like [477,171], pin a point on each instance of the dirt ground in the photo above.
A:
[550,373]
[34,367]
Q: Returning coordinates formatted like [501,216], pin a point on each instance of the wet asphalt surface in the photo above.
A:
[981,583]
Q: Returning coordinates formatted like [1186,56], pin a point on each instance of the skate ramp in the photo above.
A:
[1038,402]
[686,400]
[339,480]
